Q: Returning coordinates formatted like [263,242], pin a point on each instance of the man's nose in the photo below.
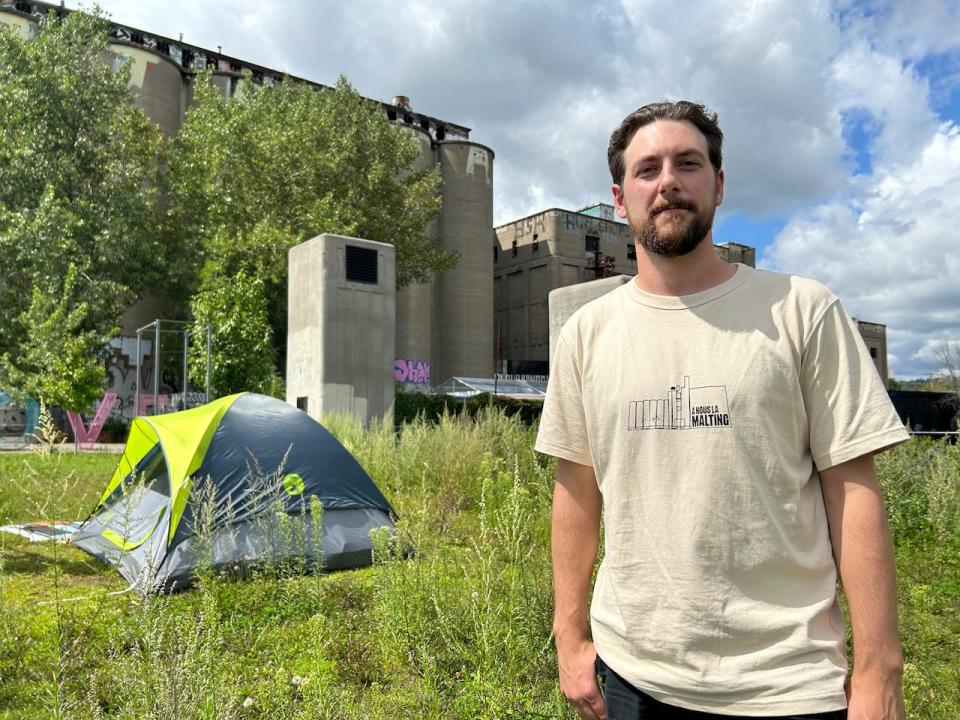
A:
[668,179]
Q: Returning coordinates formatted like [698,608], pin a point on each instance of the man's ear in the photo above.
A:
[618,205]
[719,192]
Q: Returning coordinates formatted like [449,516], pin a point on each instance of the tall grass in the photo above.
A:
[452,621]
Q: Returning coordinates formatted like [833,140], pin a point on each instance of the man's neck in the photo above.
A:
[694,272]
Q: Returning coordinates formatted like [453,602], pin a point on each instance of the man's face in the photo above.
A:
[669,192]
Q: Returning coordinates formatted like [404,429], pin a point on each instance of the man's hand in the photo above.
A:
[578,679]
[875,696]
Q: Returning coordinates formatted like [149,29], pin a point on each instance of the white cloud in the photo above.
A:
[894,94]
[890,251]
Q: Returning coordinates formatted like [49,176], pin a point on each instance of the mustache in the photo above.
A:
[671,205]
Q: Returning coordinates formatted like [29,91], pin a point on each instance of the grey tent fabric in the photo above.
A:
[267,468]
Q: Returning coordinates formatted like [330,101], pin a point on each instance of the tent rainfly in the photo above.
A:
[221,484]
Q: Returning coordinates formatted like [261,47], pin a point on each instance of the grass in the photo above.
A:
[460,630]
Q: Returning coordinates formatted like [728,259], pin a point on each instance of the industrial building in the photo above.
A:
[557,248]
[553,249]
[444,327]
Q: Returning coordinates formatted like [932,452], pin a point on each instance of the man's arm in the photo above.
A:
[575,538]
[863,551]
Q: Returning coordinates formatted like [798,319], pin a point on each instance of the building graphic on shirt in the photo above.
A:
[682,408]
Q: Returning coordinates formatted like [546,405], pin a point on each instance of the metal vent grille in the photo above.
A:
[362,265]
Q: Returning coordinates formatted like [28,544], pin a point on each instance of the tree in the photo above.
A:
[79,179]
[241,350]
[948,354]
[253,176]
[58,360]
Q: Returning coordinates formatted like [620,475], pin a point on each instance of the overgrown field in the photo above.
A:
[460,630]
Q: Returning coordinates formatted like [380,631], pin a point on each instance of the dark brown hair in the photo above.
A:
[692,112]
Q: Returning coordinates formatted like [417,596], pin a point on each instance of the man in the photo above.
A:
[724,419]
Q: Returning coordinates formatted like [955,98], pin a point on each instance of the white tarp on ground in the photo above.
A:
[42,531]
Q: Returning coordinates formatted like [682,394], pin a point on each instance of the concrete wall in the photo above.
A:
[158,85]
[25,26]
[463,296]
[415,302]
[736,253]
[875,337]
[538,254]
[341,338]
[565,301]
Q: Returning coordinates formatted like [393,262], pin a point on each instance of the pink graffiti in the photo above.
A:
[146,401]
[88,436]
[411,371]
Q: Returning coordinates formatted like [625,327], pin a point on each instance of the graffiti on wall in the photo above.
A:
[17,422]
[416,372]
[122,370]
[529,226]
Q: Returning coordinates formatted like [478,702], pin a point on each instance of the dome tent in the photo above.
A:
[264,460]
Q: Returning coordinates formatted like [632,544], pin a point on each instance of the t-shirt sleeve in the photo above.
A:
[848,408]
[563,428]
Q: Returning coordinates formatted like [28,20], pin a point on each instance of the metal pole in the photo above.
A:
[186,380]
[156,366]
[136,407]
[209,331]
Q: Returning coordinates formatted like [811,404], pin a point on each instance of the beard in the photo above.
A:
[682,233]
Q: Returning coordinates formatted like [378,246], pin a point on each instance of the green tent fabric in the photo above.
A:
[213,485]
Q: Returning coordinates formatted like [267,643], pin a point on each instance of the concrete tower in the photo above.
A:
[463,296]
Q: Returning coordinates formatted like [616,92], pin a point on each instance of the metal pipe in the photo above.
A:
[209,331]
[186,377]
[136,397]
[156,366]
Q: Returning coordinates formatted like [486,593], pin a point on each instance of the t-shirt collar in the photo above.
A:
[683,302]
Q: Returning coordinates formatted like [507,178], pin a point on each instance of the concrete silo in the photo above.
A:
[23,23]
[463,296]
[157,80]
[415,302]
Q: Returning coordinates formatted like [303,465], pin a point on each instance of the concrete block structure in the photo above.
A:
[565,301]
[875,337]
[342,321]
[556,249]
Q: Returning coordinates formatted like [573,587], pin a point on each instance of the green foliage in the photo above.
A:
[409,405]
[460,628]
[241,350]
[58,360]
[252,176]
[79,173]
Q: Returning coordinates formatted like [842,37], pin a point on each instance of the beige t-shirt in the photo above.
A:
[705,418]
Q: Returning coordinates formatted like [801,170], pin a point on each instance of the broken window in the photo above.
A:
[536,242]
[592,243]
[631,251]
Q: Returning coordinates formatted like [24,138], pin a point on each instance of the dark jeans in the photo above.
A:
[625,702]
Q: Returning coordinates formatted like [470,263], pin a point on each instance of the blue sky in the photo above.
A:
[842,150]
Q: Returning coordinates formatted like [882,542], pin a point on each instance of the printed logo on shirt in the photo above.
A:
[682,408]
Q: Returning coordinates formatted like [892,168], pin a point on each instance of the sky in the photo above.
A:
[841,119]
